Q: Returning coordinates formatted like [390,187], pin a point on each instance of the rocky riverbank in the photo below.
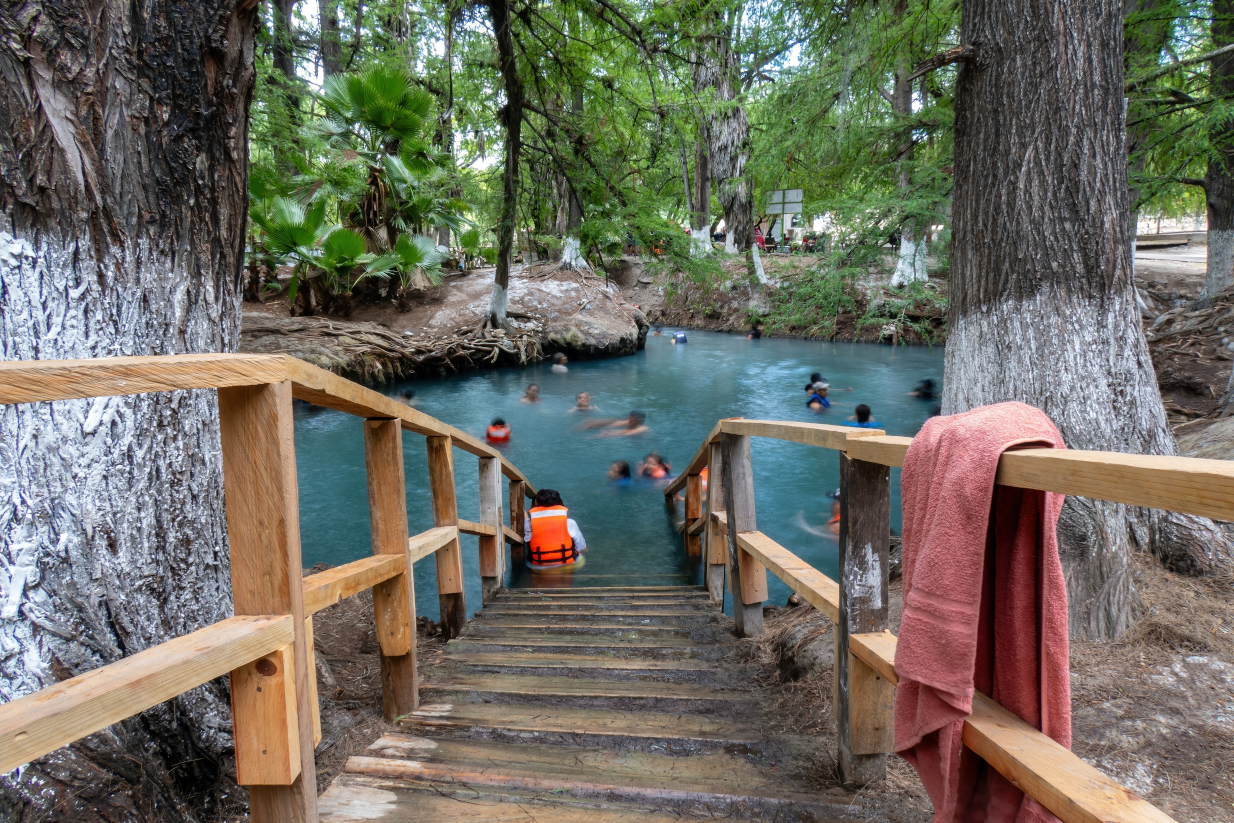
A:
[550,310]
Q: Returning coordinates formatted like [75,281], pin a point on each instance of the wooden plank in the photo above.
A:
[314,699]
[575,687]
[554,628]
[810,434]
[394,599]
[597,590]
[600,595]
[450,556]
[492,548]
[38,723]
[881,449]
[715,546]
[268,751]
[263,528]
[324,589]
[549,660]
[518,513]
[878,651]
[697,527]
[1070,788]
[697,462]
[33,381]
[819,590]
[532,640]
[495,613]
[862,700]
[599,606]
[512,536]
[721,521]
[428,542]
[480,529]
[749,577]
[567,720]
[694,511]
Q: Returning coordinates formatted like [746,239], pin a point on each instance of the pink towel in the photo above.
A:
[998,627]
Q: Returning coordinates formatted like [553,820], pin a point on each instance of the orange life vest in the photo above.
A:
[498,434]
[551,543]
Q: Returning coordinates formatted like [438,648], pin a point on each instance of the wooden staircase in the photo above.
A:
[603,705]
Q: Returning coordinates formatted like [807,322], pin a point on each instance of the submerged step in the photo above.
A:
[566,720]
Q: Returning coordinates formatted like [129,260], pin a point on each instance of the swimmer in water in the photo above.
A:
[532,394]
[407,398]
[559,363]
[653,467]
[619,473]
[924,390]
[630,426]
[862,419]
[657,333]
[582,403]
[818,397]
[498,432]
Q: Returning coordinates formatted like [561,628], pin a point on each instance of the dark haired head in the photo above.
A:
[497,421]
[622,467]
[558,357]
[547,497]
[816,378]
[863,413]
[927,383]
[638,415]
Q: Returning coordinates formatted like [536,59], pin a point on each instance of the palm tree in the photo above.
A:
[418,264]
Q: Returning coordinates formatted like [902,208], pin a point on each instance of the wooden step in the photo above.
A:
[473,642]
[592,594]
[712,777]
[500,623]
[355,797]
[566,720]
[600,589]
[531,660]
[581,611]
[572,687]
[602,604]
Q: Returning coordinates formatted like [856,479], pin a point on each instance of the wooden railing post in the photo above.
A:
[491,551]
[749,577]
[863,700]
[394,600]
[449,556]
[518,513]
[694,510]
[715,548]
[274,741]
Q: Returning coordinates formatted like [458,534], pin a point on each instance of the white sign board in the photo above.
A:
[784,201]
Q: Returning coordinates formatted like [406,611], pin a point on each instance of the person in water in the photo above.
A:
[924,390]
[679,337]
[532,395]
[619,473]
[833,525]
[755,332]
[632,425]
[818,397]
[559,363]
[498,431]
[862,420]
[582,403]
[654,467]
[658,332]
[407,398]
[553,539]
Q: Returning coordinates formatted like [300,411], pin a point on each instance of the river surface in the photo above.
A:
[683,389]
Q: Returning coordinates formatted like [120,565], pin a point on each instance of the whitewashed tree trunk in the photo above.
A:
[728,131]
[700,242]
[911,264]
[572,255]
[1042,307]
[119,235]
[1219,270]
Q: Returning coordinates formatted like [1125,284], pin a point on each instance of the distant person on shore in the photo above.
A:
[532,395]
[862,419]
[559,363]
[498,431]
[654,467]
[924,390]
[630,426]
[553,539]
[582,403]
[619,473]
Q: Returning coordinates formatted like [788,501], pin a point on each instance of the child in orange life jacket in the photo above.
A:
[553,539]
[498,432]
[834,523]
[654,467]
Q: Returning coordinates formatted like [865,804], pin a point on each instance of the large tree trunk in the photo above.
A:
[512,116]
[1042,308]
[728,131]
[331,45]
[447,115]
[123,177]
[284,50]
[1219,180]
[911,263]
[701,218]
[572,250]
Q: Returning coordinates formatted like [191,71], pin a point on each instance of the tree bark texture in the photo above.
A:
[1042,306]
[123,182]
[284,48]
[331,45]
[446,118]
[1219,179]
[728,132]
[512,116]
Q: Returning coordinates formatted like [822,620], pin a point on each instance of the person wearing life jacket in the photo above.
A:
[498,432]
[833,525]
[654,467]
[553,539]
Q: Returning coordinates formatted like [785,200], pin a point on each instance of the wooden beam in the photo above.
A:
[697,462]
[38,723]
[324,589]
[512,536]
[428,542]
[268,752]
[810,434]
[698,526]
[263,530]
[819,590]
[748,576]
[878,651]
[862,700]
[478,529]
[881,449]
[32,381]
[715,546]
[694,512]
[492,547]
[314,701]
[721,521]
[394,599]
[518,513]
[450,556]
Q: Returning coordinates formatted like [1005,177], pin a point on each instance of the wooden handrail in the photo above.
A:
[38,723]
[512,536]
[478,529]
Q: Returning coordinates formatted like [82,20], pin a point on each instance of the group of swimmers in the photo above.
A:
[818,390]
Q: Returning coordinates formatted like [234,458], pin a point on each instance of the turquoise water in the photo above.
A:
[682,389]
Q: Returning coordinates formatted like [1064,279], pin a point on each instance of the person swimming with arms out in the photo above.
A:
[554,541]
[498,432]
[628,427]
